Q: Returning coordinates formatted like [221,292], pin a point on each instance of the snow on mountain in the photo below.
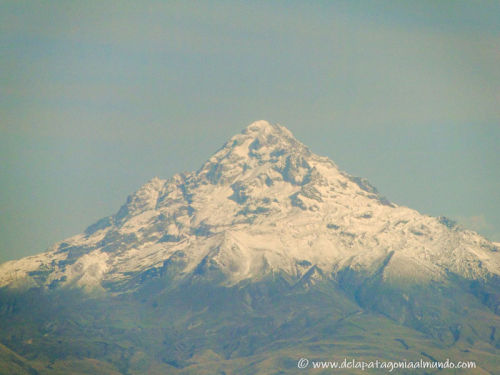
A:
[264,203]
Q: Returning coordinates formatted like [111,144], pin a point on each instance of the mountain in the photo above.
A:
[266,254]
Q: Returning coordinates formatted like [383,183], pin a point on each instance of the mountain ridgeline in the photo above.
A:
[265,255]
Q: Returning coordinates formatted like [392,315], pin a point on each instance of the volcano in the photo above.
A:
[265,255]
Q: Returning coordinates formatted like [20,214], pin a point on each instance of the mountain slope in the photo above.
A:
[11,363]
[266,250]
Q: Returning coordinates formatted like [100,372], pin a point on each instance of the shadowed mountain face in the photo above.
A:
[267,254]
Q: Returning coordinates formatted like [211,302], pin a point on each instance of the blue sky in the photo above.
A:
[98,97]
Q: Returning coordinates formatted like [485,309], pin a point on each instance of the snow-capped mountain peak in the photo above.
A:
[262,204]
[266,250]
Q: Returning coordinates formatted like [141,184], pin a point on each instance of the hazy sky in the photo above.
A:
[98,97]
